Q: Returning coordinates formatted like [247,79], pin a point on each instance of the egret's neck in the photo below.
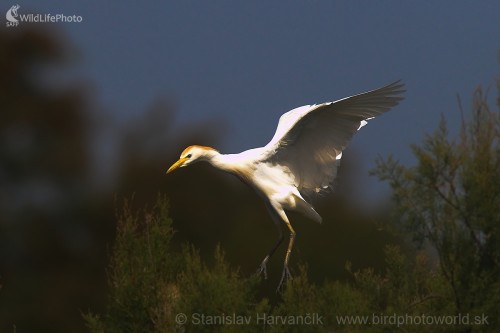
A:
[220,161]
[231,163]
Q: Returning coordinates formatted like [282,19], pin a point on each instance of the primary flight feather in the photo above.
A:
[301,159]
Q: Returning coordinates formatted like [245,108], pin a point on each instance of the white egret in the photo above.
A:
[301,159]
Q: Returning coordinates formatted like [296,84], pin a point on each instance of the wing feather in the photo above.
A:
[309,140]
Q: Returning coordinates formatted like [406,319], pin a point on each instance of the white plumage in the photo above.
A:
[301,159]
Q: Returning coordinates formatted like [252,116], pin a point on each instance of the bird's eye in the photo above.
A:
[189,155]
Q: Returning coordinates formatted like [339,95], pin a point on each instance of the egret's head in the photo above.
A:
[191,155]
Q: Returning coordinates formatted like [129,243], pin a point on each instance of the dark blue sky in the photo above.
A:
[247,62]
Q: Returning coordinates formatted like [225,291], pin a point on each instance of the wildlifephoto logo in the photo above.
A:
[11,16]
[14,18]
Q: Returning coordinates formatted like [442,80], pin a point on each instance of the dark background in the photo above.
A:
[95,112]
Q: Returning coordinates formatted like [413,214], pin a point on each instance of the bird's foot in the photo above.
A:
[285,277]
[263,268]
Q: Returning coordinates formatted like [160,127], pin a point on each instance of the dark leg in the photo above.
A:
[286,272]
[279,216]
[263,266]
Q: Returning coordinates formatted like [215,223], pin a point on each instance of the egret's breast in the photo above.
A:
[272,177]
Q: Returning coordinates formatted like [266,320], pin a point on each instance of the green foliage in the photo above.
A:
[409,287]
[150,283]
[451,199]
[140,271]
[215,291]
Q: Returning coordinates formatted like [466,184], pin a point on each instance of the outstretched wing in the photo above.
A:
[309,140]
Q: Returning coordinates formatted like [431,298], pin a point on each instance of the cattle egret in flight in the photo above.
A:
[301,159]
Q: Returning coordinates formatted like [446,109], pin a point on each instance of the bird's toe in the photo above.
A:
[263,268]
[285,278]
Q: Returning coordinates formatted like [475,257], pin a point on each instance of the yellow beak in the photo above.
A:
[177,164]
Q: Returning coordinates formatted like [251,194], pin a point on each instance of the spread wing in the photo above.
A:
[309,140]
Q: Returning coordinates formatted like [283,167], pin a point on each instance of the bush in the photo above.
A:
[151,285]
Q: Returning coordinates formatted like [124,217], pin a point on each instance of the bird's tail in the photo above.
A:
[306,209]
